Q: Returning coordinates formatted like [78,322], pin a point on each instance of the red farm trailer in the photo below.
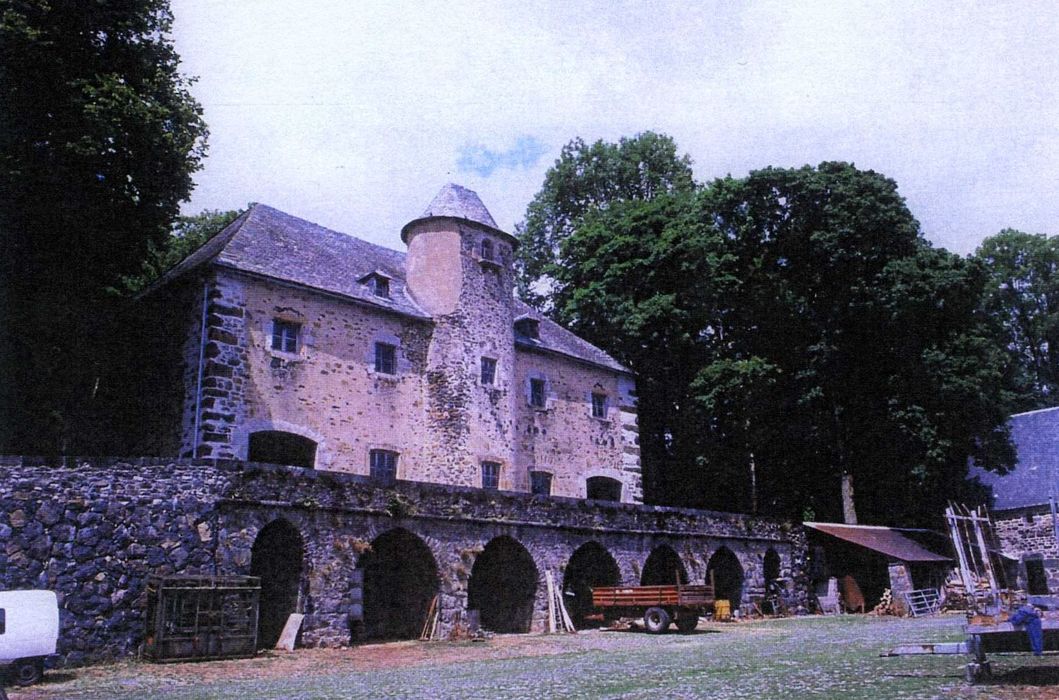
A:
[659,605]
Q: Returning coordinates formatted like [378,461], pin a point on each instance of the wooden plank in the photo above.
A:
[551,601]
[290,632]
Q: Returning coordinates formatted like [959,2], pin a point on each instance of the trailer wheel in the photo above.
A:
[656,620]
[687,621]
[28,671]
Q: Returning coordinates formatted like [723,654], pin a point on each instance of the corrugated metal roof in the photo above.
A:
[884,540]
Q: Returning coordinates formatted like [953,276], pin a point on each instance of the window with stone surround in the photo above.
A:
[382,465]
[488,371]
[285,335]
[536,393]
[599,405]
[385,358]
[487,249]
[540,483]
[491,475]
[603,488]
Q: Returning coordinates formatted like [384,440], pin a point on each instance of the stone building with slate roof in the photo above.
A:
[290,343]
[1021,503]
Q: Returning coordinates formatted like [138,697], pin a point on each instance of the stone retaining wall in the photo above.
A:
[92,530]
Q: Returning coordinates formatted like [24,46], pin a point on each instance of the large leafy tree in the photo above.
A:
[790,330]
[99,138]
[1023,298]
[588,177]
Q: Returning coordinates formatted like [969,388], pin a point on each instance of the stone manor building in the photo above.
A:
[376,435]
[308,347]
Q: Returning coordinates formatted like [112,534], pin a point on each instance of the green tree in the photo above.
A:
[584,178]
[790,330]
[99,138]
[1023,298]
[187,235]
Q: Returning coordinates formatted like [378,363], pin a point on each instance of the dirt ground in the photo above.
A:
[836,658]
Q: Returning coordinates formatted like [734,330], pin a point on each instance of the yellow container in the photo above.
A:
[722,610]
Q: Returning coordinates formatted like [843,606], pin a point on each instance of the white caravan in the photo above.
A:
[29,629]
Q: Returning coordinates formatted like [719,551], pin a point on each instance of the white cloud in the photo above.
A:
[354,114]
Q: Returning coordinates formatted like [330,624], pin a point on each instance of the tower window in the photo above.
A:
[488,371]
[487,249]
[491,475]
[285,335]
[385,358]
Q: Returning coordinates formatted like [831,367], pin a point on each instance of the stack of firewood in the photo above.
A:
[955,594]
[886,605]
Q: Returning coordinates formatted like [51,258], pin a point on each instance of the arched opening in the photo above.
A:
[400,581]
[279,447]
[277,558]
[603,488]
[727,575]
[771,568]
[662,568]
[590,565]
[503,586]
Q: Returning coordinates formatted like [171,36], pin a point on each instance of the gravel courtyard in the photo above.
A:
[791,658]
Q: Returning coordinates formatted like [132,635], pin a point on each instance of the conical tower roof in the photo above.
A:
[456,202]
[460,203]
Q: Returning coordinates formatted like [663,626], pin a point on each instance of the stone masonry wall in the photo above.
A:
[92,530]
[1029,533]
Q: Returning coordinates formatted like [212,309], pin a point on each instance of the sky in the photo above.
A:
[353,114]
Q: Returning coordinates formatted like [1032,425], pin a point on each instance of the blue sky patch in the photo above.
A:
[478,159]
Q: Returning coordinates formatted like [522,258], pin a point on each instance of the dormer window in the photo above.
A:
[528,328]
[378,284]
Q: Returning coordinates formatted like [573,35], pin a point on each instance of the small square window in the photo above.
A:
[540,483]
[383,465]
[488,371]
[285,335]
[536,397]
[491,475]
[599,405]
[385,358]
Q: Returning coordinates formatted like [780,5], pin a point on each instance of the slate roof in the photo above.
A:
[1036,473]
[267,242]
[555,338]
[884,540]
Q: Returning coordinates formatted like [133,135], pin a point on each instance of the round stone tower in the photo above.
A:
[459,270]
